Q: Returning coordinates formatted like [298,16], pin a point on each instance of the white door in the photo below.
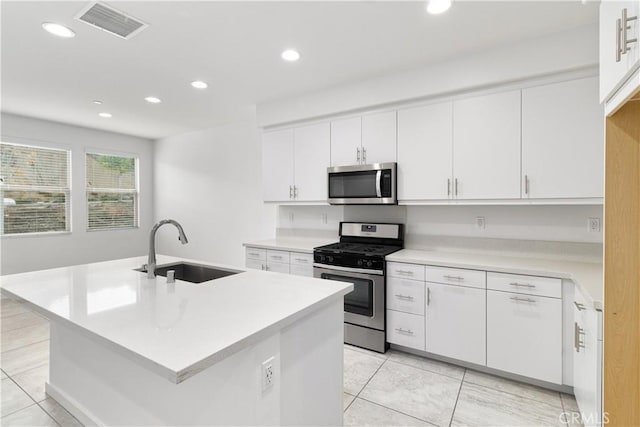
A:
[277,165]
[563,140]
[425,138]
[346,141]
[524,335]
[379,137]
[456,318]
[486,146]
[311,159]
[612,72]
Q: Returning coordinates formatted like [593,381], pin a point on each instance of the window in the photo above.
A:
[112,191]
[34,182]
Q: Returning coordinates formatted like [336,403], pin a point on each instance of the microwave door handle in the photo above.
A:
[379,183]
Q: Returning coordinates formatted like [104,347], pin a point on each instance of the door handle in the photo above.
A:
[378,182]
[364,155]
[358,154]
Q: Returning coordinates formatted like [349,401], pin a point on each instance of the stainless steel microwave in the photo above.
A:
[373,184]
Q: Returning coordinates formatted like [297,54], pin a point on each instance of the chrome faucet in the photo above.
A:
[151,263]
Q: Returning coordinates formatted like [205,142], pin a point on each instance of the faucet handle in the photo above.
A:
[171,276]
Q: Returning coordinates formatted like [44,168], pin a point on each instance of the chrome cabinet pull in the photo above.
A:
[579,306]
[276,257]
[624,43]
[405,297]
[526,184]
[522,285]
[301,260]
[295,191]
[404,331]
[448,187]
[407,272]
[428,296]
[518,299]
[618,39]
[364,155]
[456,186]
[358,154]
[577,342]
[453,277]
[291,192]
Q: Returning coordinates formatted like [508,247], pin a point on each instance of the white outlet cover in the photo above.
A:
[594,225]
[268,373]
[480,222]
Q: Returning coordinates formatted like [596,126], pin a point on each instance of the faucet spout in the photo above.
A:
[151,262]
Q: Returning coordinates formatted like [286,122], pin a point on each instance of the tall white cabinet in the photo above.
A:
[277,165]
[346,141]
[562,140]
[364,140]
[425,141]
[486,147]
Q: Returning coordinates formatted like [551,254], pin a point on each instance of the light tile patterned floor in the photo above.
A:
[394,389]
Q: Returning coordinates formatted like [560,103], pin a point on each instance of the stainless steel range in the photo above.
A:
[359,259]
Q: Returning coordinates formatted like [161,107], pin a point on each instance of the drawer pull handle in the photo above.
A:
[406,297]
[404,331]
[276,256]
[579,306]
[409,272]
[522,285]
[577,342]
[301,260]
[518,299]
[453,277]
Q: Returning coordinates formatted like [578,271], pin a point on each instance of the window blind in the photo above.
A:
[112,191]
[34,182]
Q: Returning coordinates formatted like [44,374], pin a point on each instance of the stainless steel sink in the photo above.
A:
[194,273]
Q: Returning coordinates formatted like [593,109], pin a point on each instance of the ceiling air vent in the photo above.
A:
[111,20]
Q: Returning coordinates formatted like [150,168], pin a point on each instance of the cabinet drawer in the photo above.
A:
[405,329]
[254,263]
[457,276]
[301,270]
[531,285]
[300,258]
[524,335]
[278,267]
[257,254]
[405,271]
[405,295]
[278,256]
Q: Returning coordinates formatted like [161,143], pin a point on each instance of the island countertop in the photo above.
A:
[174,330]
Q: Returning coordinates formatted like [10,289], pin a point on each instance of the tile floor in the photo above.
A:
[394,389]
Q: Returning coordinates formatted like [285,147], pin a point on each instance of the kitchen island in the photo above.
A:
[128,350]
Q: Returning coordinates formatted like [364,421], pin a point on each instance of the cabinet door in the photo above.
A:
[311,159]
[346,141]
[612,72]
[277,267]
[425,139]
[379,137]
[524,335]
[255,264]
[563,140]
[486,146]
[456,318]
[277,165]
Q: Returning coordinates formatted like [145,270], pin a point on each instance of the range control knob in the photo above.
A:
[369,263]
[359,262]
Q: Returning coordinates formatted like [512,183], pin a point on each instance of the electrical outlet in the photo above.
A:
[594,225]
[480,222]
[323,218]
[268,374]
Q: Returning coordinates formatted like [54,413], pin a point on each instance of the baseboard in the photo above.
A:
[71,405]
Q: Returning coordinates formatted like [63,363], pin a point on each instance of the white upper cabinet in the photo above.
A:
[562,140]
[311,159]
[486,147]
[379,138]
[277,165]
[616,61]
[425,142]
[346,141]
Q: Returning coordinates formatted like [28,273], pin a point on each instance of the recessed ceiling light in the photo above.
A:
[199,84]
[105,115]
[436,7]
[290,55]
[97,102]
[58,30]
[153,100]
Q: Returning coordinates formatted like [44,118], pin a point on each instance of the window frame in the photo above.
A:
[45,145]
[136,192]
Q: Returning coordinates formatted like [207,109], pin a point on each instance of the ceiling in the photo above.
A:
[235,47]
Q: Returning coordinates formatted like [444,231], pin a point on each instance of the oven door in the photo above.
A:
[362,184]
[364,306]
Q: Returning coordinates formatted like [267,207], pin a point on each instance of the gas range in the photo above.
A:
[358,258]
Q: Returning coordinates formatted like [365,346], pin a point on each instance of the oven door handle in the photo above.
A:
[330,268]
[379,183]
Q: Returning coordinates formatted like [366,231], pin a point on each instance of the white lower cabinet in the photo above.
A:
[524,335]
[405,329]
[298,263]
[455,322]
[587,361]
[405,295]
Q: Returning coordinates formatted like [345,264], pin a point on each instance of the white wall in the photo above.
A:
[26,253]
[210,182]
[572,50]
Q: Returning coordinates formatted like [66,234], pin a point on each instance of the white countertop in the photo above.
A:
[588,276]
[294,244]
[177,330]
